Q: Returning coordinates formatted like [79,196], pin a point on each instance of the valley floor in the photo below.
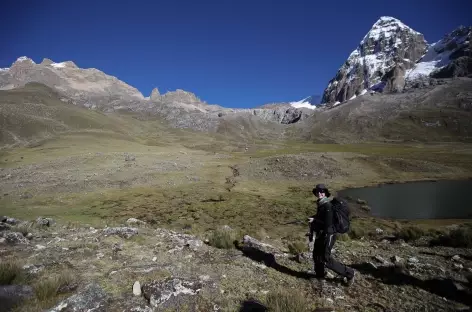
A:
[262,189]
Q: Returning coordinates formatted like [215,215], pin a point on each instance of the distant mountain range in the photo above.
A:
[392,59]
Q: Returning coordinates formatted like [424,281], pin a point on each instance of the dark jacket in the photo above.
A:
[323,220]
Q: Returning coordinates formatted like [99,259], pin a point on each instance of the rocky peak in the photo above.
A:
[155,95]
[181,96]
[46,61]
[23,60]
[387,44]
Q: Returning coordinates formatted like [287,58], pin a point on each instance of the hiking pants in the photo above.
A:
[322,257]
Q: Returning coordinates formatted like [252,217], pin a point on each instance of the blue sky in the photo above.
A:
[234,53]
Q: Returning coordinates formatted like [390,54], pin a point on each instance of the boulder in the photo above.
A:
[396,260]
[14,238]
[4,226]
[12,295]
[134,221]
[91,298]
[11,221]
[250,242]
[170,293]
[45,221]
[124,232]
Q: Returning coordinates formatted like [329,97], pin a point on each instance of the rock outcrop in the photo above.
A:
[91,298]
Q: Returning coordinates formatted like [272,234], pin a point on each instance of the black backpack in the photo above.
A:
[341,214]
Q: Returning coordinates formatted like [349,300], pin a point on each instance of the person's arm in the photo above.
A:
[328,217]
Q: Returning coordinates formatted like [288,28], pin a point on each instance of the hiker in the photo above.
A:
[322,225]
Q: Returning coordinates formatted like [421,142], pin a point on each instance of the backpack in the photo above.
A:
[341,214]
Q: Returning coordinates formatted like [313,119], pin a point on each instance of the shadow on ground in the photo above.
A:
[269,260]
[447,288]
[252,306]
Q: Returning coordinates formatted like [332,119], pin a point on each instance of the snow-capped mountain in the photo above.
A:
[443,54]
[388,43]
[392,56]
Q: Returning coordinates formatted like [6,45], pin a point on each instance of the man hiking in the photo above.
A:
[322,225]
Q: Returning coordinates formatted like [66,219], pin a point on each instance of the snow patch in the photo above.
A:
[24,58]
[58,65]
[4,69]
[303,104]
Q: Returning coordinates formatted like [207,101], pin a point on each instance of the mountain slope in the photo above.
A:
[440,112]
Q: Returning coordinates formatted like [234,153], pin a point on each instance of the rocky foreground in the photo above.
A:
[53,267]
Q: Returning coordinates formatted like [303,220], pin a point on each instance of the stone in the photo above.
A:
[4,226]
[380,259]
[396,259]
[15,238]
[45,221]
[40,247]
[134,221]
[29,236]
[12,295]
[26,195]
[129,157]
[413,260]
[250,242]
[124,232]
[137,288]
[91,298]
[458,266]
[3,240]
[33,269]
[379,231]
[170,292]
[456,258]
[11,221]
[154,259]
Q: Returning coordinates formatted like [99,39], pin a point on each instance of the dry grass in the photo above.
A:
[460,237]
[10,269]
[53,285]
[297,247]
[222,238]
[284,300]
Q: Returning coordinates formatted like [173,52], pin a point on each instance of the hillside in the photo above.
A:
[435,113]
